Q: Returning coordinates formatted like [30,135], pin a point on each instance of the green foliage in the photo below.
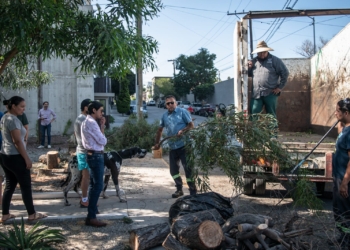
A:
[98,40]
[165,86]
[127,220]
[116,81]
[67,127]
[111,119]
[134,132]
[123,102]
[204,91]
[194,70]
[304,194]
[36,238]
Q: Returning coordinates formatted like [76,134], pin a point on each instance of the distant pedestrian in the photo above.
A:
[46,117]
[341,173]
[94,140]
[16,162]
[81,153]
[176,121]
[269,76]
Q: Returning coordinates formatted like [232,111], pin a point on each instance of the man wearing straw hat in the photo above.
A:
[269,75]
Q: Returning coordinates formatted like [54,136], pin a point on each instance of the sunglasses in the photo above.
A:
[168,103]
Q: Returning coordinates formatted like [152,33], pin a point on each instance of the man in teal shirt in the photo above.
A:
[176,121]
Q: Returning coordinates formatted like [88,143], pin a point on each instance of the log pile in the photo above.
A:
[208,230]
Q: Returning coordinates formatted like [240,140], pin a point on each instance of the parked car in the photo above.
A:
[185,104]
[133,111]
[151,103]
[190,109]
[196,107]
[207,110]
[161,104]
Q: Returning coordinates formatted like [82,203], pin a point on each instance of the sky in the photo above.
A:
[185,26]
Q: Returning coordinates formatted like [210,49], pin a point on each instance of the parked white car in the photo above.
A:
[151,103]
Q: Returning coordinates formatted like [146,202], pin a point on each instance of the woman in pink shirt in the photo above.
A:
[94,140]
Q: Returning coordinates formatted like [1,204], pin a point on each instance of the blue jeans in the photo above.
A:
[96,165]
[42,131]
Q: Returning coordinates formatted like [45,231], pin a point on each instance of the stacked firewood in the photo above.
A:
[208,230]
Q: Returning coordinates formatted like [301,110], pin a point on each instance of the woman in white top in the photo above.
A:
[15,160]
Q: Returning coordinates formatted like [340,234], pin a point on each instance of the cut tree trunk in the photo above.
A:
[182,222]
[52,159]
[204,235]
[148,237]
[254,219]
[171,243]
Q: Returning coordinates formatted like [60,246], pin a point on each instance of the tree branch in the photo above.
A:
[8,56]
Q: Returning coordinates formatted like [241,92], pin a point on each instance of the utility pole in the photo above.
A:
[173,60]
[139,87]
[313,23]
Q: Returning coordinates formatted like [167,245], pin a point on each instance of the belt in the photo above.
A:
[95,152]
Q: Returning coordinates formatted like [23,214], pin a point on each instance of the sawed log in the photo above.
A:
[204,235]
[148,237]
[171,243]
[184,221]
[254,219]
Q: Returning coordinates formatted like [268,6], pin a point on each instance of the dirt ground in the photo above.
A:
[274,203]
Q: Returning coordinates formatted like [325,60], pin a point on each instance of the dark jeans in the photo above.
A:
[175,156]
[341,205]
[16,172]
[96,165]
[42,131]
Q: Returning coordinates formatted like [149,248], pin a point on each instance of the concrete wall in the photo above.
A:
[330,73]
[223,93]
[64,95]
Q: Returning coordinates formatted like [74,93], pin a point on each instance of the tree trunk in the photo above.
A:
[52,159]
[182,222]
[171,243]
[254,219]
[148,237]
[203,235]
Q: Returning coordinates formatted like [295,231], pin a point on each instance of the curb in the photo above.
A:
[111,216]
[55,195]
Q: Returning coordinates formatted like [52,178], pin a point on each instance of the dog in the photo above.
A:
[112,159]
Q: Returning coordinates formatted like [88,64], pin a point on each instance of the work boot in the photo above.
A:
[94,223]
[177,194]
[193,191]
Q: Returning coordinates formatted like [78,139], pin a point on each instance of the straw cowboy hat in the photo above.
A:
[261,47]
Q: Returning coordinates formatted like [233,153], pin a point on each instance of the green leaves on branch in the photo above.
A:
[65,29]
[204,91]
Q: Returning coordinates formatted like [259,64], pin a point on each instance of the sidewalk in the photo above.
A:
[146,182]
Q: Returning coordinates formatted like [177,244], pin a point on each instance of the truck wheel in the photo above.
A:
[248,186]
[260,186]
[320,187]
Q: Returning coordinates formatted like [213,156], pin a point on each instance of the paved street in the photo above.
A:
[154,114]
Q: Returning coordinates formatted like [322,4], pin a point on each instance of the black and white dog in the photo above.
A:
[113,161]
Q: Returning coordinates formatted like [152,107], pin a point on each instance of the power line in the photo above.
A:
[226,68]
[291,33]
[239,4]
[247,5]
[229,5]
[194,8]
[224,57]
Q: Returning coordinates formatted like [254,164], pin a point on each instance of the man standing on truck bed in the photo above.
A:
[269,75]
[341,172]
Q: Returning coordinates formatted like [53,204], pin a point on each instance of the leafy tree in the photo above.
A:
[97,40]
[165,86]
[123,102]
[194,70]
[130,77]
[307,47]
[203,91]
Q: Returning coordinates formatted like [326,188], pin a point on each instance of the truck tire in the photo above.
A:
[248,186]
[260,186]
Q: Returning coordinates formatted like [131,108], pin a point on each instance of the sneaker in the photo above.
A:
[48,146]
[177,194]
[41,146]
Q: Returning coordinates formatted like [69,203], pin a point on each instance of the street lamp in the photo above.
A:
[173,60]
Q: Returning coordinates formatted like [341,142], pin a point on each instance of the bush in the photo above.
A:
[35,238]
[134,132]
